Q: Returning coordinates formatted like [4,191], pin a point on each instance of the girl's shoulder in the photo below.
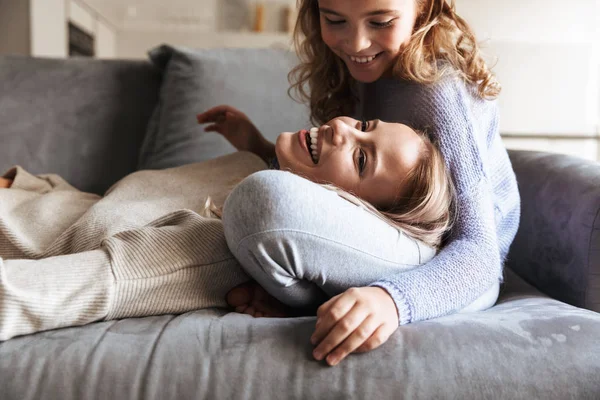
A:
[451,87]
[421,105]
[451,95]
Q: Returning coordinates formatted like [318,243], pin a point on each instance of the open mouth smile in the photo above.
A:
[364,60]
[311,143]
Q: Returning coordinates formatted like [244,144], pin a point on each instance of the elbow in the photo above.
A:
[261,202]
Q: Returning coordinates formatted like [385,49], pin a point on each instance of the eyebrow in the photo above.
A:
[369,14]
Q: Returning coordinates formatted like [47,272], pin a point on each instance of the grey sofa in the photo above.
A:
[86,120]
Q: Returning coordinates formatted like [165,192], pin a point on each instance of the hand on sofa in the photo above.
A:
[357,320]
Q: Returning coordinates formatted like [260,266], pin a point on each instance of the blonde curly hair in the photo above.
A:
[441,42]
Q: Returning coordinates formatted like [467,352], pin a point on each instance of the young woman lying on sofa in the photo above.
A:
[69,258]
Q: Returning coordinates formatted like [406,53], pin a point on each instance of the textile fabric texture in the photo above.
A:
[253,80]
[557,247]
[526,347]
[79,118]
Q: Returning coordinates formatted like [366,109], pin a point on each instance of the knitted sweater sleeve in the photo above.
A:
[470,262]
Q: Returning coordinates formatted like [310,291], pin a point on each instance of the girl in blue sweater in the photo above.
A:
[410,61]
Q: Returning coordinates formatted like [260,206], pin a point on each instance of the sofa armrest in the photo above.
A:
[557,246]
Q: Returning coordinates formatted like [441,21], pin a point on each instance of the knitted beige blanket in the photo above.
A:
[70,258]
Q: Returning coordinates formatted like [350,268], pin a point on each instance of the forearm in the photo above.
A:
[464,269]
[264,149]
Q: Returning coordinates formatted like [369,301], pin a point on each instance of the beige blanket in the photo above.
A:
[70,258]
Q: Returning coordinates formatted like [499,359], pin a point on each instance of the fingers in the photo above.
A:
[330,313]
[359,337]
[212,128]
[213,114]
[358,320]
[345,329]
[379,337]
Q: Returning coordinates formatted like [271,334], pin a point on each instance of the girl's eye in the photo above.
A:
[364,126]
[382,24]
[362,161]
[333,22]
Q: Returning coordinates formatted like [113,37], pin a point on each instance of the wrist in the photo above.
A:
[264,149]
[400,311]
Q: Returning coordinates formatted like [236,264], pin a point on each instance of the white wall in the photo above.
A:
[547,62]
[200,24]
[81,16]
[106,41]
[135,44]
[48,28]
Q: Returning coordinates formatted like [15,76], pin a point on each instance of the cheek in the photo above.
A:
[393,40]
[283,150]
[330,38]
[337,171]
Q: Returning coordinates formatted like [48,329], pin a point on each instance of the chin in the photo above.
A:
[367,78]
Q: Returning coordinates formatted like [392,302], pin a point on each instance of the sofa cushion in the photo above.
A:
[528,346]
[557,247]
[252,80]
[83,119]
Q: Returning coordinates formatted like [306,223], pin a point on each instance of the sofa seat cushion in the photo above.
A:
[527,346]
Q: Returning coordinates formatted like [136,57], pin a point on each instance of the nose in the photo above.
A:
[357,41]
[341,133]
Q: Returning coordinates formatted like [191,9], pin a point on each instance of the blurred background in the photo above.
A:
[546,53]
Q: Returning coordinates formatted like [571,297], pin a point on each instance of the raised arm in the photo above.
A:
[237,128]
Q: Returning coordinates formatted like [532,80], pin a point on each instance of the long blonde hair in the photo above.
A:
[424,211]
[441,42]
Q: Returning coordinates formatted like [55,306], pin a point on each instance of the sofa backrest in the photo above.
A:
[83,119]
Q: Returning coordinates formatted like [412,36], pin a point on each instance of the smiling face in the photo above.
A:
[367,34]
[369,159]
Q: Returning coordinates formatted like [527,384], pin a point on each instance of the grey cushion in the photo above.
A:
[80,118]
[253,80]
[527,347]
[557,247]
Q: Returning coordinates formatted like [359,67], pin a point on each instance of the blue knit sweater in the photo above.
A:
[466,129]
